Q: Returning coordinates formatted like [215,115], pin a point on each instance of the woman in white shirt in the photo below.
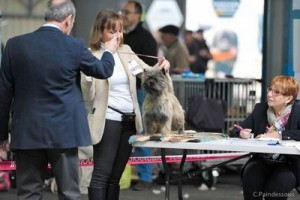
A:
[107,99]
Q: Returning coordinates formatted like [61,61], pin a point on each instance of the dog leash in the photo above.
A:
[116,110]
[138,54]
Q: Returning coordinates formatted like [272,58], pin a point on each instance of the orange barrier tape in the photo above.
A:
[11,165]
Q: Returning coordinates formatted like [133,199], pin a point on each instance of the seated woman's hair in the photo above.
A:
[287,85]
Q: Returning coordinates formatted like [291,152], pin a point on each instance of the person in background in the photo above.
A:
[40,84]
[111,101]
[203,55]
[192,47]
[279,118]
[2,49]
[174,51]
[140,41]
[225,52]
[198,58]
[5,183]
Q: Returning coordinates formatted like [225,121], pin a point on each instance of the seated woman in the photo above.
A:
[272,176]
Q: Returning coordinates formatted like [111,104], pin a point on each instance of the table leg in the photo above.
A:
[180,173]
[167,174]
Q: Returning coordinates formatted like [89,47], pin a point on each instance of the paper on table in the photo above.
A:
[291,144]
[268,139]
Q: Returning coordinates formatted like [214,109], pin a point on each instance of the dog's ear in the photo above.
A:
[163,71]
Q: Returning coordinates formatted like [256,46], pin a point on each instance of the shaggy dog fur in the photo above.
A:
[162,110]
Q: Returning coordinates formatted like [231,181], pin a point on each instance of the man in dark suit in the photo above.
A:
[40,84]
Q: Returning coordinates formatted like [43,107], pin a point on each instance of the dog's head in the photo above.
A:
[155,81]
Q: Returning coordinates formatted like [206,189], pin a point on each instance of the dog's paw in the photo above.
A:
[155,138]
[190,131]
[181,131]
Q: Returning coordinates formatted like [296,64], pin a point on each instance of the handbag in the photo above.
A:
[126,117]
[206,114]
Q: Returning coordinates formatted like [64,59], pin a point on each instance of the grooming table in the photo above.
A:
[245,147]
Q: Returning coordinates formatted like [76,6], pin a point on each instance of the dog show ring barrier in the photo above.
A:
[11,165]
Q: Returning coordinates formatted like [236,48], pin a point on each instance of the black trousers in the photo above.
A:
[271,180]
[111,154]
[32,169]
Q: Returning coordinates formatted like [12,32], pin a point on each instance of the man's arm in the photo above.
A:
[103,68]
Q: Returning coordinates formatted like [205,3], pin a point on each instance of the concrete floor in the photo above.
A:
[228,187]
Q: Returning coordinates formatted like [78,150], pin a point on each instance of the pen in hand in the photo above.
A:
[250,135]
[238,127]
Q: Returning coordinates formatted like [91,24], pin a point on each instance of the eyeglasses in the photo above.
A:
[275,93]
[127,12]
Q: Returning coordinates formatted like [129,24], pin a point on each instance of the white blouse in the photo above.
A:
[119,94]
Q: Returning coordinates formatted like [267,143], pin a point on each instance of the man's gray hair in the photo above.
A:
[59,10]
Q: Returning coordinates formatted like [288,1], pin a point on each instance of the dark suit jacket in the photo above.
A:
[40,78]
[257,121]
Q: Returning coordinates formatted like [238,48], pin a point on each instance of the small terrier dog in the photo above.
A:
[162,110]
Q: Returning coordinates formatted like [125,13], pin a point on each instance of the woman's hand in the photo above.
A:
[272,134]
[112,45]
[163,63]
[245,133]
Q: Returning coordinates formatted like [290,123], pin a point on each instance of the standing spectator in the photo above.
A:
[4,176]
[141,41]
[174,51]
[225,51]
[203,55]
[112,100]
[192,47]
[40,83]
